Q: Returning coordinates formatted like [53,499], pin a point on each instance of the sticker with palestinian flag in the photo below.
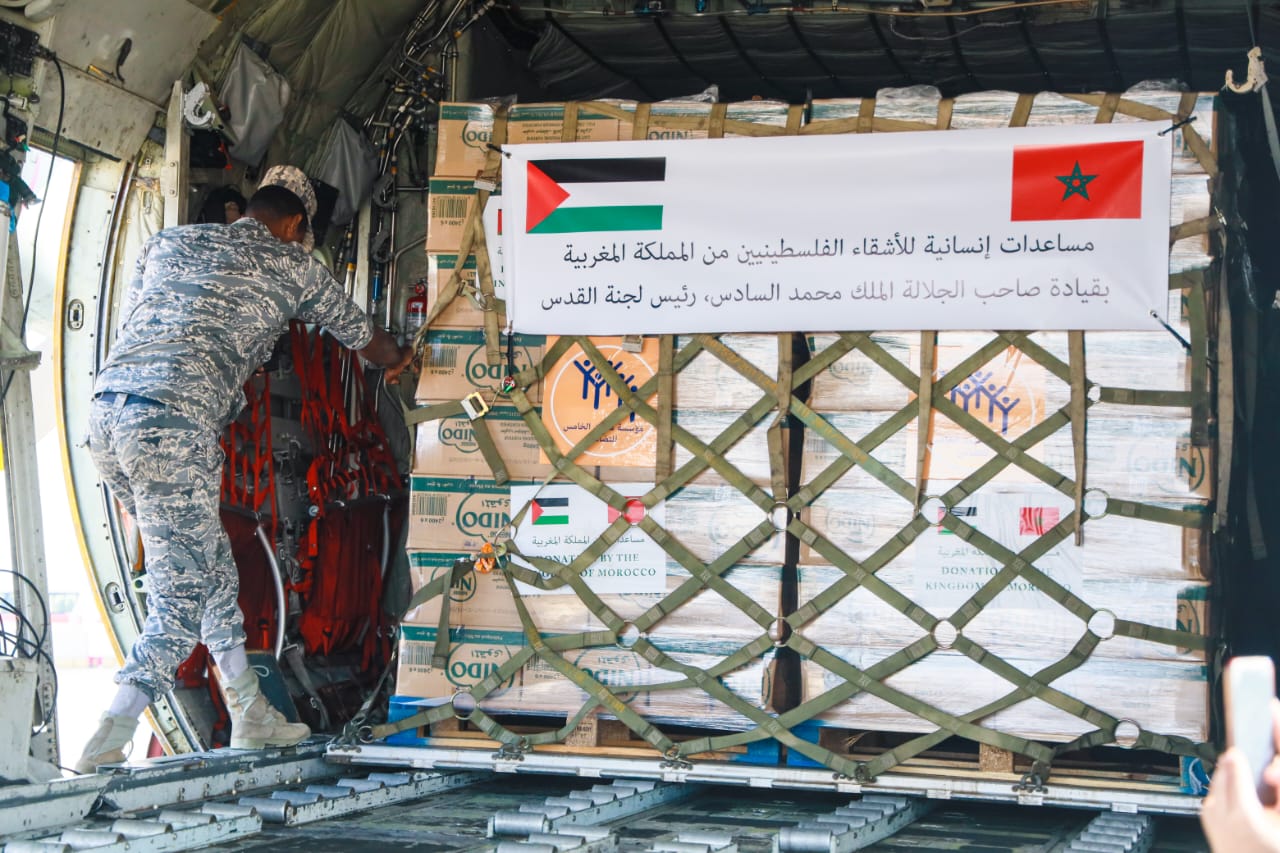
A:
[562,521]
[545,511]
[1101,180]
[581,196]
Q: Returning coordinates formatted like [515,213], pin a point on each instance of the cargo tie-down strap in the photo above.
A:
[780,407]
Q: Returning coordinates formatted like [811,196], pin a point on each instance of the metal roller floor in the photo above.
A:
[705,820]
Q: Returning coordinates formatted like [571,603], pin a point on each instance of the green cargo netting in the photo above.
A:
[783,406]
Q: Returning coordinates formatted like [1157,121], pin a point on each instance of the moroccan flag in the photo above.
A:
[1037,520]
[595,191]
[633,510]
[550,511]
[1101,180]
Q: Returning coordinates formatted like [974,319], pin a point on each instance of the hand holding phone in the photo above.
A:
[1249,691]
[1240,814]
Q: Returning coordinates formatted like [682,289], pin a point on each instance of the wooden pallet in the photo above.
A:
[594,735]
[1112,766]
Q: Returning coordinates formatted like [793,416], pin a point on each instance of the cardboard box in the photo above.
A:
[535,688]
[462,513]
[456,513]
[484,600]
[545,123]
[860,516]
[463,312]
[449,202]
[466,129]
[862,619]
[1169,697]
[448,447]
[689,119]
[456,364]
[475,653]
[463,137]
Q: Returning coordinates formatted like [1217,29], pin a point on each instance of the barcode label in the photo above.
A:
[445,358]
[417,654]
[434,505]
[448,207]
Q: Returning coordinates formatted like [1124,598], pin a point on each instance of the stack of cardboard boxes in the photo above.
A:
[457,506]
[1126,569]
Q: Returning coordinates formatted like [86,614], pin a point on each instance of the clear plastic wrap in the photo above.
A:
[1166,697]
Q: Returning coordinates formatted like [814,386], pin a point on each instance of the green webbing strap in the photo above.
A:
[432,412]
[795,118]
[1145,740]
[820,361]
[861,574]
[1030,686]
[841,466]
[640,123]
[924,399]
[635,403]
[715,123]
[866,115]
[1141,397]
[484,438]
[666,402]
[1226,405]
[457,572]
[1199,365]
[1079,404]
[584,681]
[1193,518]
[489,302]
[778,429]
[1107,108]
[569,124]
[473,224]
[1021,110]
[864,683]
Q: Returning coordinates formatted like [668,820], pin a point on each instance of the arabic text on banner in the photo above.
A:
[1014,228]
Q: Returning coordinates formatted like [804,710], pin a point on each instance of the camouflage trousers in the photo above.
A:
[166,471]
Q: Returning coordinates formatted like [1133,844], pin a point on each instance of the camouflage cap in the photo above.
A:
[295,181]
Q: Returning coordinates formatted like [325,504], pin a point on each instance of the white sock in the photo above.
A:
[130,702]
[232,663]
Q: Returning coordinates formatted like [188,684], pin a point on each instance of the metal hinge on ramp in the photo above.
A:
[855,826]
[1114,833]
[169,830]
[307,804]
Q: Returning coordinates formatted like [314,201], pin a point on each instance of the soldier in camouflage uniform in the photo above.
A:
[206,307]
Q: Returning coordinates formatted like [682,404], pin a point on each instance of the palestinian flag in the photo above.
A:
[968,513]
[550,511]
[633,510]
[592,189]
[1037,520]
[1100,180]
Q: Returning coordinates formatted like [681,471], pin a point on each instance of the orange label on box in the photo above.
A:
[576,398]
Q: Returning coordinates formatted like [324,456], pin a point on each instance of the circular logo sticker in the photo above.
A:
[578,399]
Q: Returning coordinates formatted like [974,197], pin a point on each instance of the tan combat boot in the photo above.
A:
[107,744]
[254,722]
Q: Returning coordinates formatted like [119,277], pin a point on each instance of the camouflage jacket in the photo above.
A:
[205,307]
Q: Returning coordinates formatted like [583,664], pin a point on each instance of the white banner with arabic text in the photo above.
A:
[1012,228]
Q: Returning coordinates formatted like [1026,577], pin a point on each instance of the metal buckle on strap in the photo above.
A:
[475,406]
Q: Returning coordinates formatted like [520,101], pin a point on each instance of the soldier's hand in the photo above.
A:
[406,359]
